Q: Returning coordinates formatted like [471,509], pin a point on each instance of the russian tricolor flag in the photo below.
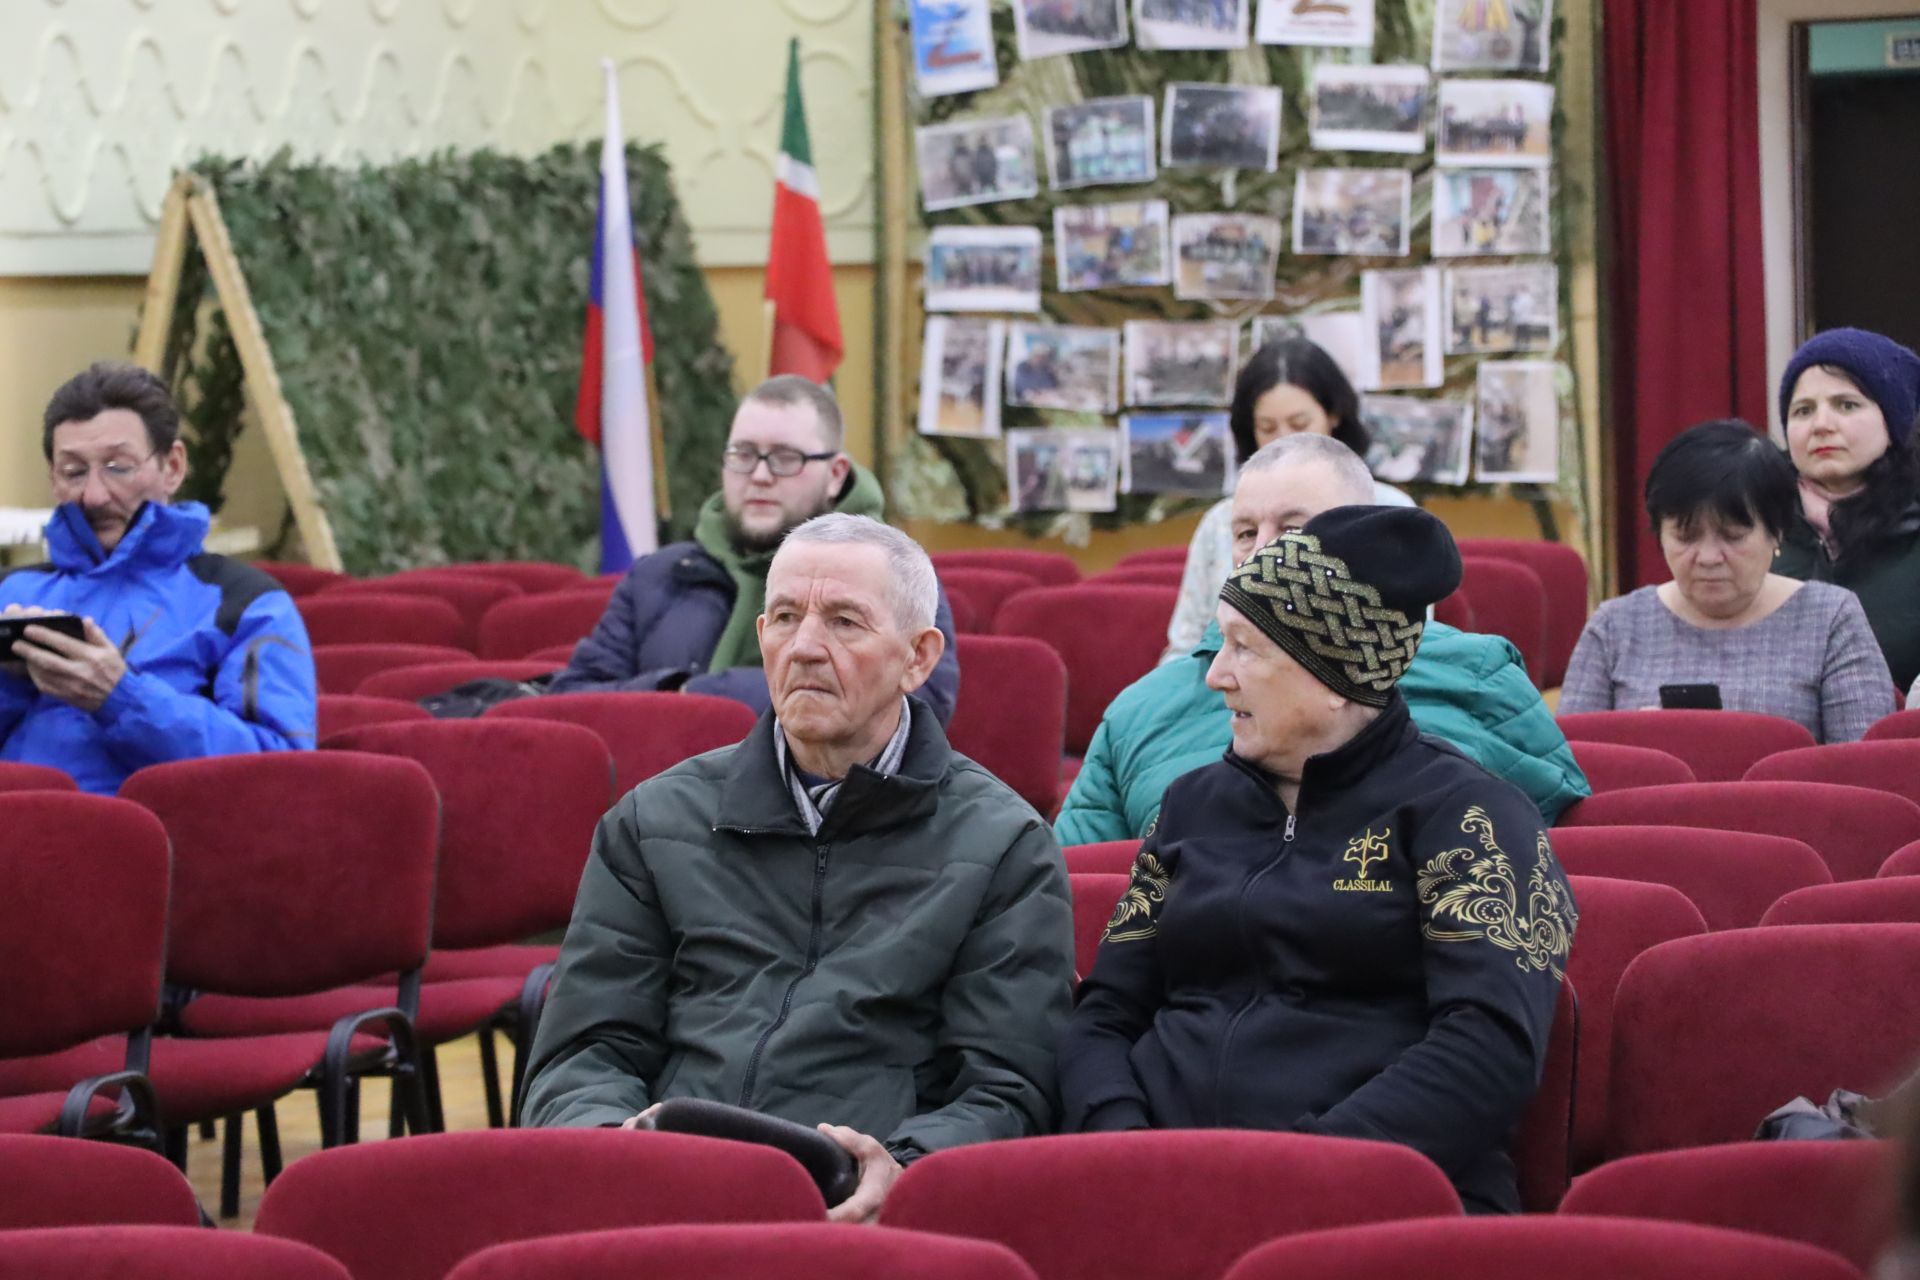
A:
[611,410]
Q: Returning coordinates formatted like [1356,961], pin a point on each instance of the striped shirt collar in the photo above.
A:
[816,800]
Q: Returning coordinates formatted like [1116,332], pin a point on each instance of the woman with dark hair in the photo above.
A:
[1285,388]
[1848,404]
[1720,497]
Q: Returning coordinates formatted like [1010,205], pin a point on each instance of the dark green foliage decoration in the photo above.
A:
[425,318]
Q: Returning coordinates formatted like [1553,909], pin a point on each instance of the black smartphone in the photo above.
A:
[14,626]
[1690,697]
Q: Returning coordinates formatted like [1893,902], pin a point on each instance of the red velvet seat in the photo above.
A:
[343,668]
[299,579]
[1509,600]
[1888,900]
[17,776]
[1897,725]
[532,576]
[1892,766]
[1457,611]
[1719,746]
[1153,575]
[1095,895]
[1108,637]
[1048,568]
[985,589]
[340,712]
[1833,1195]
[1713,1033]
[159,1253]
[965,620]
[411,1210]
[842,1252]
[1732,876]
[57,1182]
[1614,766]
[340,616]
[647,733]
[1563,579]
[470,594]
[1853,829]
[1114,857]
[1012,713]
[410,684]
[1904,861]
[556,656]
[1159,1203]
[1154,555]
[516,628]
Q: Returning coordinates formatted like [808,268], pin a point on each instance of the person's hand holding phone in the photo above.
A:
[82,673]
[9,663]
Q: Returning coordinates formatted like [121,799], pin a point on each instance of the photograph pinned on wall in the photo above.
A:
[960,377]
[1190,453]
[983,269]
[1352,211]
[1424,441]
[1046,28]
[1073,367]
[1347,23]
[1490,211]
[1498,123]
[1181,361]
[1190,24]
[1496,310]
[1341,334]
[1224,255]
[1369,108]
[1111,246]
[1491,35]
[976,162]
[1402,310]
[1107,140]
[1519,437]
[1220,126]
[952,46]
[1062,470]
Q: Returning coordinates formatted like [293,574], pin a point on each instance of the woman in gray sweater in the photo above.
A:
[1720,497]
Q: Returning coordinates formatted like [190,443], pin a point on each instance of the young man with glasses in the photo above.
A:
[185,654]
[684,617]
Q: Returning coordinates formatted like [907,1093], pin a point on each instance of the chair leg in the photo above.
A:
[490,1079]
[268,1123]
[429,1082]
[173,1145]
[352,1125]
[230,1167]
[396,1105]
[207,1133]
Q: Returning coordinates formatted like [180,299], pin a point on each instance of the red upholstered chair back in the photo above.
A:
[1888,900]
[159,1253]
[1900,724]
[647,733]
[1563,1247]
[343,668]
[1904,861]
[294,872]
[965,621]
[531,576]
[61,1182]
[1159,1203]
[17,776]
[1719,746]
[1113,857]
[519,800]
[1853,829]
[470,594]
[1891,766]
[1153,575]
[1712,1033]
[411,1210]
[410,684]
[1154,555]
[341,616]
[1619,919]
[1509,600]
[1011,718]
[1543,1148]
[340,712]
[1732,876]
[516,628]
[985,589]
[1563,577]
[1457,611]
[299,579]
[1048,568]
[1108,637]
[1833,1195]
[1614,766]
[554,656]
[83,919]
[1095,895]
[819,1249]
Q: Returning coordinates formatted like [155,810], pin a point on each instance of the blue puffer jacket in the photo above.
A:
[664,620]
[217,658]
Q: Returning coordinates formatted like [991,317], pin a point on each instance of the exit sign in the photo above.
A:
[1903,48]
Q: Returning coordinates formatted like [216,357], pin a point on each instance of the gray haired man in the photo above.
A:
[839,921]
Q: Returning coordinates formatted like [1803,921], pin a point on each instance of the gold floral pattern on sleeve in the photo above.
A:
[1473,894]
[1135,915]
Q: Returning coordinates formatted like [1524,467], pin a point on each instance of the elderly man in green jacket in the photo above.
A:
[1469,690]
[839,921]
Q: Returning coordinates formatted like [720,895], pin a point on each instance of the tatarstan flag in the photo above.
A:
[806,319]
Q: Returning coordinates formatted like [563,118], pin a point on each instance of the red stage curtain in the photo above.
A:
[1688,316]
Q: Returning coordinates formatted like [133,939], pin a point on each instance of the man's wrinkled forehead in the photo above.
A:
[1289,494]
[766,425]
[829,577]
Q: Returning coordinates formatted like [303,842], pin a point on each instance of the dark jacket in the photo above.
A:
[905,973]
[1886,577]
[1382,963]
[664,620]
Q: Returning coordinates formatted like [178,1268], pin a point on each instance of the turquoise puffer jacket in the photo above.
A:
[1466,689]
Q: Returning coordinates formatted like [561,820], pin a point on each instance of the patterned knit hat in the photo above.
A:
[1886,372]
[1347,596]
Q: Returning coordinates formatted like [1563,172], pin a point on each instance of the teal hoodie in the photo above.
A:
[1468,690]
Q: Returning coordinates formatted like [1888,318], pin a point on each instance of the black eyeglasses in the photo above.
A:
[782,461]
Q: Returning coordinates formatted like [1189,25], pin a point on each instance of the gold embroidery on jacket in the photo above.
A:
[1133,916]
[1477,891]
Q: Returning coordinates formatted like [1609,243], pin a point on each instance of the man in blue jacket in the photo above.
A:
[185,654]
[684,617]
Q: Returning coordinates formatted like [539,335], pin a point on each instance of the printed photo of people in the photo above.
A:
[1044,28]
[1369,108]
[1341,334]
[1489,211]
[1181,361]
[1224,255]
[1491,35]
[1496,310]
[952,46]
[1190,24]
[1315,22]
[1110,246]
[960,376]
[1352,211]
[1403,318]
[1062,470]
[1217,126]
[983,269]
[976,162]
[1427,441]
[1502,123]
[1107,140]
[1519,439]
[1177,453]
[1071,367]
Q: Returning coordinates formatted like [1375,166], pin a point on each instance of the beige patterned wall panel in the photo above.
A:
[100,99]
